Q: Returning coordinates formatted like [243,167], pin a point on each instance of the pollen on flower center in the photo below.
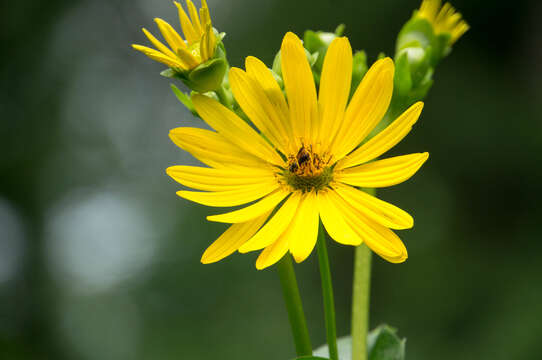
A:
[307,170]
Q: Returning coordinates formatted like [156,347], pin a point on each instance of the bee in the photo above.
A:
[303,156]
[293,167]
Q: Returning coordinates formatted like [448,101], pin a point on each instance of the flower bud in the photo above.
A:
[198,60]
[317,42]
[422,42]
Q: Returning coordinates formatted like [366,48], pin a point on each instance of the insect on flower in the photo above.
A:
[301,161]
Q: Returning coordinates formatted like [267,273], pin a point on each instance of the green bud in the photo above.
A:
[402,81]
[277,66]
[359,68]
[416,32]
[418,60]
[207,76]
[317,42]
[277,62]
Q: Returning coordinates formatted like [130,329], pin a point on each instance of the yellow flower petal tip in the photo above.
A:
[300,161]
[290,36]
[197,46]
[444,19]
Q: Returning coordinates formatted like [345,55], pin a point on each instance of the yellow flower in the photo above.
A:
[444,19]
[303,162]
[199,46]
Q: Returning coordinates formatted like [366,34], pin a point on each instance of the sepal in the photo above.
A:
[207,76]
[185,99]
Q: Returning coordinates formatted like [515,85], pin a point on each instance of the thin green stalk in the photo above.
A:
[327,290]
[224,96]
[360,298]
[294,306]
[360,302]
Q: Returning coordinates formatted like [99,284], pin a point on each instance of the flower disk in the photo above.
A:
[300,160]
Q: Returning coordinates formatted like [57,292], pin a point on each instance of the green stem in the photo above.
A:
[327,290]
[294,306]
[360,302]
[224,96]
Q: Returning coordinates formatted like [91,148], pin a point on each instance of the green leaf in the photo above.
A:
[344,346]
[382,344]
[184,99]
[169,73]
[339,30]
[311,358]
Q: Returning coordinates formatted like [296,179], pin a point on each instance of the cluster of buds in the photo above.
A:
[199,60]
[421,44]
[317,42]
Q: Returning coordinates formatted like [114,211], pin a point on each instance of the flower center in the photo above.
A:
[308,170]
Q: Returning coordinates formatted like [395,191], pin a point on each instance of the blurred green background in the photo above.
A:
[99,259]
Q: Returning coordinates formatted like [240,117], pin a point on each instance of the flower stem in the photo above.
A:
[360,302]
[294,306]
[327,290]
[224,96]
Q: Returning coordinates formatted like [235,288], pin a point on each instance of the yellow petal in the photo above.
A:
[256,105]
[378,238]
[161,47]
[381,173]
[232,239]
[334,222]
[204,46]
[334,88]
[238,196]
[274,252]
[209,179]
[211,40]
[271,231]
[186,56]
[194,17]
[204,15]
[377,210]
[384,140]
[266,204]
[212,148]
[158,56]
[300,89]
[186,25]
[173,39]
[304,232]
[259,71]
[367,107]
[234,129]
